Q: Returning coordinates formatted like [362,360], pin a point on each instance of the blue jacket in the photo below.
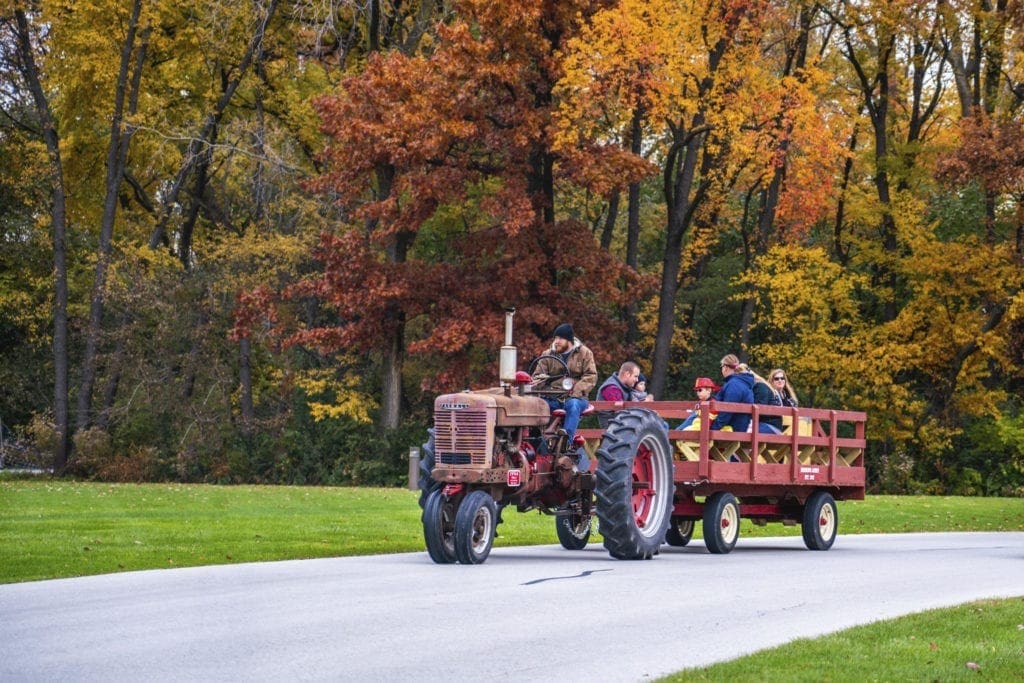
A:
[737,388]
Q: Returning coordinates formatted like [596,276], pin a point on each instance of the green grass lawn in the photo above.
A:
[979,641]
[53,529]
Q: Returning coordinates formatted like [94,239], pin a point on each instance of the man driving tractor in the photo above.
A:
[568,352]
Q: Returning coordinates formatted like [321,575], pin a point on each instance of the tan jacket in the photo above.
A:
[581,368]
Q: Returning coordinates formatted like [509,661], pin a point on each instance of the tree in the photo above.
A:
[444,166]
[27,43]
[694,71]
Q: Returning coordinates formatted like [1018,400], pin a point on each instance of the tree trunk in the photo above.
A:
[841,252]
[245,385]
[117,154]
[633,223]
[58,224]
[203,140]
[114,380]
[609,222]
[391,382]
[679,175]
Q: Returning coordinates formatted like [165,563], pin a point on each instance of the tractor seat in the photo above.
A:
[560,412]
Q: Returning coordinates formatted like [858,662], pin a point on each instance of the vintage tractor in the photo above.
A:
[499,447]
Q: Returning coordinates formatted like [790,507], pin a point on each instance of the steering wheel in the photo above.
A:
[547,384]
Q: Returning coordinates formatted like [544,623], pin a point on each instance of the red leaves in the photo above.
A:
[991,152]
[445,165]
[253,310]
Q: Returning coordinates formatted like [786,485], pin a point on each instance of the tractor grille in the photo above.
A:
[462,437]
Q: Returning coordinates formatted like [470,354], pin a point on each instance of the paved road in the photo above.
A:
[528,614]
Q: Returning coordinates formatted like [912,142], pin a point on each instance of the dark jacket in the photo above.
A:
[626,393]
[604,417]
[766,396]
[737,388]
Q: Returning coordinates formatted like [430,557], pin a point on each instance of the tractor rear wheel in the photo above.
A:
[680,531]
[634,484]
[439,527]
[573,528]
[474,527]
[820,522]
[721,522]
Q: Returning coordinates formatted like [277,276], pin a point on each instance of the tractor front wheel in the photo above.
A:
[439,527]
[474,528]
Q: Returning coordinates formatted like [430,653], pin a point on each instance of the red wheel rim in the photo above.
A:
[643,485]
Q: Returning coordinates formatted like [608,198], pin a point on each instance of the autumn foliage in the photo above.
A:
[446,175]
[245,240]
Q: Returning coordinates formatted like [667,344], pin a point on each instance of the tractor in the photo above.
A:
[493,448]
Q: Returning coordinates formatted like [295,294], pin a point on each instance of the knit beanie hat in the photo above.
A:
[564,331]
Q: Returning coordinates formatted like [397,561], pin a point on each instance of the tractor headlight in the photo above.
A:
[567,383]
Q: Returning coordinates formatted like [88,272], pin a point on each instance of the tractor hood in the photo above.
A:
[513,410]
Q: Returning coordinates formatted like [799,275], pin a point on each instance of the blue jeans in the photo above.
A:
[573,408]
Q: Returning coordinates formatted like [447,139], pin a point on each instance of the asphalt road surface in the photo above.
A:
[527,614]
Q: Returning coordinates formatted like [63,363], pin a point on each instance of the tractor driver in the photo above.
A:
[582,369]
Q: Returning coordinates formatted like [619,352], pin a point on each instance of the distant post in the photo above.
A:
[414,467]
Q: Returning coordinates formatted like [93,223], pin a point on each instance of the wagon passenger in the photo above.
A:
[621,386]
[582,369]
[780,382]
[737,387]
[704,388]
[765,395]
[640,390]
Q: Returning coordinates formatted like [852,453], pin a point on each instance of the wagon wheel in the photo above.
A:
[680,531]
[820,522]
[634,484]
[721,522]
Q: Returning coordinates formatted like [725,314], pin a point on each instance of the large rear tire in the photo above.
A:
[821,521]
[474,527]
[439,527]
[721,523]
[426,484]
[634,484]
[680,531]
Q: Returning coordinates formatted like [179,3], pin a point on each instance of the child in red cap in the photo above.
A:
[705,388]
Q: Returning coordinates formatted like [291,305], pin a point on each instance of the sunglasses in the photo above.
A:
[779,379]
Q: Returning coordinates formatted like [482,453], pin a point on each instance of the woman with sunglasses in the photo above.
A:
[780,382]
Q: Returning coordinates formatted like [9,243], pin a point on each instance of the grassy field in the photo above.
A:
[979,641]
[53,529]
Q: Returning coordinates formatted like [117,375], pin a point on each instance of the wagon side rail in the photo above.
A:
[819,446]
